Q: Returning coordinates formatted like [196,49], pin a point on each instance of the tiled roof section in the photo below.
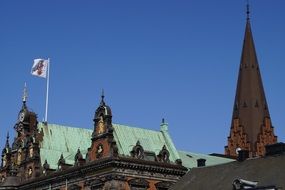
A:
[189,159]
[267,171]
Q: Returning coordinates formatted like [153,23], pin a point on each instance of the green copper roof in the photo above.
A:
[65,140]
[189,159]
[153,141]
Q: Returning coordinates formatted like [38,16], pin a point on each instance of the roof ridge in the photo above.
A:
[132,127]
[64,126]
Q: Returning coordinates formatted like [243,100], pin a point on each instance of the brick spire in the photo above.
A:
[251,127]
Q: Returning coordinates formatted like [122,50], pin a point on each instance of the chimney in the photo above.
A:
[275,149]
[201,162]
[243,155]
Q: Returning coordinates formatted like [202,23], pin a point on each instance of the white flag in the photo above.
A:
[40,68]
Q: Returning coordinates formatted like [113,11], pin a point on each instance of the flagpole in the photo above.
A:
[46,113]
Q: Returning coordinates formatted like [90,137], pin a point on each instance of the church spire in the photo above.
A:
[250,114]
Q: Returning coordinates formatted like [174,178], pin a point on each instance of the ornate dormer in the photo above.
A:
[163,155]
[78,158]
[61,162]
[138,151]
[103,143]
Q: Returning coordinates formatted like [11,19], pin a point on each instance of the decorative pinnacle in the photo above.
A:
[7,140]
[247,10]
[102,98]
[25,93]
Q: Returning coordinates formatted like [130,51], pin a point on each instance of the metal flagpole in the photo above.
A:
[48,67]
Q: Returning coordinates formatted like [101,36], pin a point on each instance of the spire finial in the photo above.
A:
[7,140]
[247,10]
[25,93]
[102,97]
[102,94]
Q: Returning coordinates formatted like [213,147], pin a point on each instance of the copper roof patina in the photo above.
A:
[58,139]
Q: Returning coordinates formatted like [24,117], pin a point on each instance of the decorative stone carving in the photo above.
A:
[99,150]
[163,185]
[114,184]
[139,183]
[74,187]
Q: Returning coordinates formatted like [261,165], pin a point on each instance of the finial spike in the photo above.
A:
[25,93]
[102,98]
[7,140]
[247,10]
[102,95]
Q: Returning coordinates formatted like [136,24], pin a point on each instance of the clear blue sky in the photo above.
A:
[176,60]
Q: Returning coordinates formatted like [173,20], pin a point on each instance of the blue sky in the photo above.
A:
[176,60]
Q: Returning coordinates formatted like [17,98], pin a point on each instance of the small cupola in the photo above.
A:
[102,119]
[103,109]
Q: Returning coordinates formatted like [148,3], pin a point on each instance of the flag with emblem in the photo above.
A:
[40,68]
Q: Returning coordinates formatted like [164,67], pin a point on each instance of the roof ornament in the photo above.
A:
[46,165]
[102,98]
[7,140]
[163,125]
[247,10]
[25,93]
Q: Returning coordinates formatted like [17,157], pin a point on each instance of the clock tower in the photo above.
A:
[103,143]
[24,155]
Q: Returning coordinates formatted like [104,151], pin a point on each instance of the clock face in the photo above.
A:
[22,116]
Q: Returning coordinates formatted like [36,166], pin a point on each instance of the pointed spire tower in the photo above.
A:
[251,127]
